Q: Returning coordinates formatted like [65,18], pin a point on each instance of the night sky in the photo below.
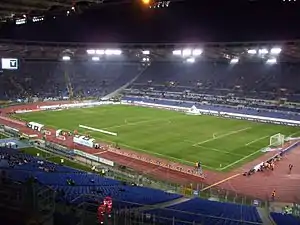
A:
[186,21]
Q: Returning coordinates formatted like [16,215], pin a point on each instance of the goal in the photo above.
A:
[277,140]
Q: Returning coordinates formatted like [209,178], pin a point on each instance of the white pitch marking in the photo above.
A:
[217,150]
[256,140]
[240,160]
[221,136]
[139,122]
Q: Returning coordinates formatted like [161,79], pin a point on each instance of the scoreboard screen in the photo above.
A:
[9,64]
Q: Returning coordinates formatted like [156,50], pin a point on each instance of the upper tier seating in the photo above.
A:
[251,79]
[49,79]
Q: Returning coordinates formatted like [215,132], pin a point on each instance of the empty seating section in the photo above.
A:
[209,212]
[50,79]
[281,219]
[20,167]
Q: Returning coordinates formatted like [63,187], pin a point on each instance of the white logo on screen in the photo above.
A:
[13,63]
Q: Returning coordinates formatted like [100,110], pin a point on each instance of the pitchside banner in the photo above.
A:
[94,158]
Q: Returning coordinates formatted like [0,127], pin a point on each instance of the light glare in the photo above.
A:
[197,52]
[177,52]
[272,61]
[252,51]
[66,58]
[190,60]
[186,52]
[275,51]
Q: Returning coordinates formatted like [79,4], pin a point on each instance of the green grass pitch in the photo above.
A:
[220,144]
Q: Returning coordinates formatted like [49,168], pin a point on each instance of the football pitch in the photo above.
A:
[220,144]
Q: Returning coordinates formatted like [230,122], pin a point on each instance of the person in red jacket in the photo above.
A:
[101,213]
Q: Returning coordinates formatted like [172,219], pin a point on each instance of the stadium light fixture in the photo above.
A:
[275,51]
[186,52]
[66,58]
[197,52]
[190,60]
[91,51]
[100,52]
[146,2]
[177,52]
[263,51]
[95,58]
[113,52]
[146,59]
[252,51]
[234,60]
[271,61]
[146,52]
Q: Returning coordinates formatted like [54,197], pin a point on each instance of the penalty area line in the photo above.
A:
[221,136]
[256,140]
[240,160]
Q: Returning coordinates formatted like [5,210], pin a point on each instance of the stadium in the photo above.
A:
[201,133]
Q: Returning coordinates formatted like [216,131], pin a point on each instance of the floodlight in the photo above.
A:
[263,51]
[197,52]
[113,52]
[100,52]
[117,52]
[146,2]
[275,51]
[234,60]
[190,60]
[146,59]
[177,52]
[252,51]
[186,52]
[66,58]
[146,52]
[272,61]
[95,58]
[91,51]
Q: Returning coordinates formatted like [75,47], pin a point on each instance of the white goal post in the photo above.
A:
[277,140]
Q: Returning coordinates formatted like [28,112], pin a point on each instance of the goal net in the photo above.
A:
[277,140]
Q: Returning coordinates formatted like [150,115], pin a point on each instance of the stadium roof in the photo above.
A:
[16,9]
[290,50]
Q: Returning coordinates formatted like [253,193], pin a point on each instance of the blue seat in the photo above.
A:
[282,219]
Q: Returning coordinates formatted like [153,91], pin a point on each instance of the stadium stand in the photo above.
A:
[282,219]
[50,79]
[76,187]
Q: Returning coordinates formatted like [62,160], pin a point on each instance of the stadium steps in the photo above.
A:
[164,204]
[120,89]
[264,215]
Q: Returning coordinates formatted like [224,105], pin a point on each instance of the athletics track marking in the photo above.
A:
[221,136]
[99,153]
[220,182]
